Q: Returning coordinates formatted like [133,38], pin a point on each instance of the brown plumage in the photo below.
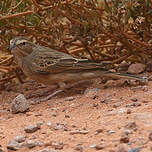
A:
[49,66]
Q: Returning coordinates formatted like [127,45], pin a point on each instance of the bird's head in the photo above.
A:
[21,46]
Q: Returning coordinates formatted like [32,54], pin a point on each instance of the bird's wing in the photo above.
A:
[45,60]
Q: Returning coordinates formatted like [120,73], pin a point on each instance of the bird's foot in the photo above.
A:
[50,96]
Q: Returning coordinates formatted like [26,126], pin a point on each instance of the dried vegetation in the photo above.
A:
[113,31]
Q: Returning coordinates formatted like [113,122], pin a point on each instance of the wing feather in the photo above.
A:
[46,60]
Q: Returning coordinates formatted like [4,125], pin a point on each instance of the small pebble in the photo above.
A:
[135,149]
[136,68]
[100,147]
[98,131]
[49,124]
[19,138]
[57,145]
[91,93]
[135,104]
[69,98]
[19,104]
[78,147]
[128,111]
[31,128]
[13,145]
[124,138]
[116,105]
[110,132]
[33,143]
[92,146]
[134,99]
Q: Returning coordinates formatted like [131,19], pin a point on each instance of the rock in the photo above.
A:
[99,147]
[14,145]
[57,145]
[95,105]
[106,100]
[33,143]
[69,98]
[79,147]
[128,111]
[31,128]
[92,93]
[98,131]
[92,146]
[58,127]
[19,138]
[122,148]
[110,132]
[19,104]
[116,105]
[150,136]
[110,113]
[134,99]
[135,149]
[127,132]
[136,68]
[67,116]
[135,104]
[91,90]
[40,123]
[124,138]
[49,124]
[121,111]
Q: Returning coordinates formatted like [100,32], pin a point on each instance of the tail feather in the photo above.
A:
[127,76]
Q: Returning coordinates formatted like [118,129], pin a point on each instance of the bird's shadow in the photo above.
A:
[79,89]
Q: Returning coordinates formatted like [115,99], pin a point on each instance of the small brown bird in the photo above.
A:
[49,66]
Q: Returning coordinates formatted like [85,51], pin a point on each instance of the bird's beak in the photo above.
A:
[11,46]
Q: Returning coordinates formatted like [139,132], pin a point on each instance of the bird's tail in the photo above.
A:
[127,76]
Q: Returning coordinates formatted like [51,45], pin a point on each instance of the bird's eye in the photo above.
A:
[23,43]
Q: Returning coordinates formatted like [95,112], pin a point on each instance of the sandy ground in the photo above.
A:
[108,119]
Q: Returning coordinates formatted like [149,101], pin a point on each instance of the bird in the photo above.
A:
[49,66]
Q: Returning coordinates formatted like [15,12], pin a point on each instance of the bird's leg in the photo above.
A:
[62,87]
[51,95]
